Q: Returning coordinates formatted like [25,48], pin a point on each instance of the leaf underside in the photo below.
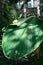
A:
[19,41]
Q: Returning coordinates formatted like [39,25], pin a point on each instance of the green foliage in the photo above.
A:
[19,41]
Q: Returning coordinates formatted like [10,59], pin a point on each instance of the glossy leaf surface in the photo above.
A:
[22,40]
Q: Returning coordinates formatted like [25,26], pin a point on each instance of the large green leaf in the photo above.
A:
[19,41]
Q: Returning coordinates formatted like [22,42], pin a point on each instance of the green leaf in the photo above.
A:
[19,41]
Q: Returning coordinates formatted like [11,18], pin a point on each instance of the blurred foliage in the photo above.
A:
[9,12]
[7,8]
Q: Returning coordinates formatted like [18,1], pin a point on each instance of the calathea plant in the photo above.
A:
[22,37]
